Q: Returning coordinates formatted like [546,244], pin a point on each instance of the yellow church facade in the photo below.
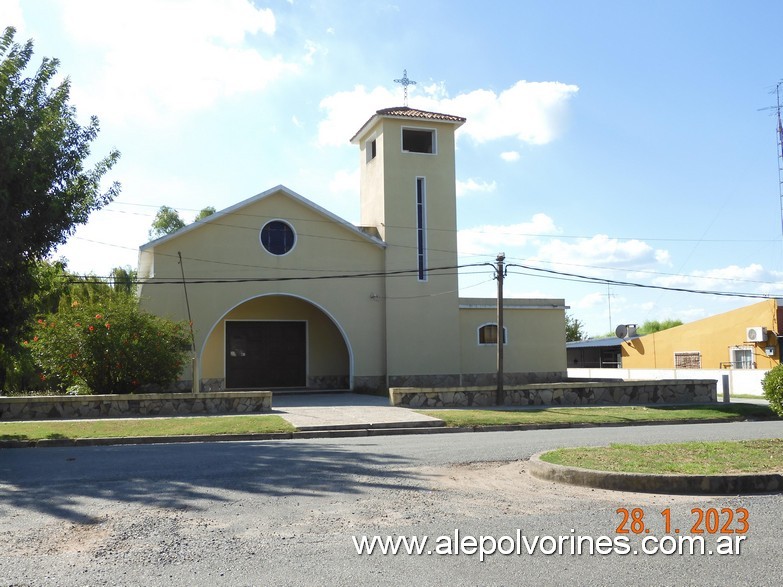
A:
[283,294]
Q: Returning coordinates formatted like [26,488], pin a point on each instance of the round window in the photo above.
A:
[277,237]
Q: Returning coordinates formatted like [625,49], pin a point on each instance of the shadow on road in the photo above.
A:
[58,481]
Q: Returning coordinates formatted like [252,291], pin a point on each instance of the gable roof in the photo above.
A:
[408,113]
[280,189]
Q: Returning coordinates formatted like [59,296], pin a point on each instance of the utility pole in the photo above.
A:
[500,274]
[194,361]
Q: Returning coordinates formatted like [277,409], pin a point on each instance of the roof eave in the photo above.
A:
[380,115]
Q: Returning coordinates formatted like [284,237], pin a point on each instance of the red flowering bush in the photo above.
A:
[111,346]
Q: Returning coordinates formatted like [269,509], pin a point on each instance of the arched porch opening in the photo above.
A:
[277,341]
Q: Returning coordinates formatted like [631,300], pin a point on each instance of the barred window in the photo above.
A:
[691,360]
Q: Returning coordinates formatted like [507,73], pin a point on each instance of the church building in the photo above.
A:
[283,294]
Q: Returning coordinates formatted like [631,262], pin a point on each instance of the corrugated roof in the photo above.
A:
[597,342]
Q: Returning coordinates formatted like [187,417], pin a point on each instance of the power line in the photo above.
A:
[604,281]
[650,272]
[489,230]
[434,271]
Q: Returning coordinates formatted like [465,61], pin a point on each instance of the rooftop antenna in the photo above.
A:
[609,296]
[779,136]
[405,83]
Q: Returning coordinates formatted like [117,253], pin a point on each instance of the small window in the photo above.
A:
[277,237]
[371,149]
[416,140]
[488,334]
[742,357]
[690,360]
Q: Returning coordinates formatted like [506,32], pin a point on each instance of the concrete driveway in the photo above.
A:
[345,411]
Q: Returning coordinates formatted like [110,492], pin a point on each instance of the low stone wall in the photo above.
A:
[134,405]
[604,393]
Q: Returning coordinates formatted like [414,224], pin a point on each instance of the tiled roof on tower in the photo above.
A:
[407,112]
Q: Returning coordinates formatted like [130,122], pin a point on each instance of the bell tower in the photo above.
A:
[408,195]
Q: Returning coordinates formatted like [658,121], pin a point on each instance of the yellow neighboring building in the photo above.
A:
[745,338]
[284,294]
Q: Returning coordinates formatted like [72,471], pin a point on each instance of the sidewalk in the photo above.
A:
[311,412]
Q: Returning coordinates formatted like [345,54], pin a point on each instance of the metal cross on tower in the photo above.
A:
[405,83]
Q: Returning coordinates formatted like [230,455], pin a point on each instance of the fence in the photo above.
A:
[740,381]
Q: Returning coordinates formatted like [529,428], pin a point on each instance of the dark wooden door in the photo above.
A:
[260,355]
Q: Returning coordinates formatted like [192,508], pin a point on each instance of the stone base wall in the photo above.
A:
[511,379]
[452,380]
[378,383]
[328,382]
[605,393]
[124,406]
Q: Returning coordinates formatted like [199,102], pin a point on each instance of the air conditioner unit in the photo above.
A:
[756,334]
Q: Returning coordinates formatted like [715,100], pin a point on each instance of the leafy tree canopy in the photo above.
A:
[208,211]
[651,326]
[168,221]
[45,189]
[574,329]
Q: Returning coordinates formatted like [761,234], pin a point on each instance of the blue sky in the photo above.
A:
[619,140]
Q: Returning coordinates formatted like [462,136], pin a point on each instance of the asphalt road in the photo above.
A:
[287,513]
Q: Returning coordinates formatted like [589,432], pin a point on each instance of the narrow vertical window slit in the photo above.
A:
[421,241]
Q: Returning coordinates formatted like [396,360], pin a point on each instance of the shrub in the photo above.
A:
[109,346]
[773,389]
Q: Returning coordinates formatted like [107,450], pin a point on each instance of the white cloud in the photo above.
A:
[169,57]
[510,156]
[471,185]
[532,112]
[591,300]
[602,251]
[346,112]
[345,182]
[312,49]
[752,278]
[491,239]
[11,15]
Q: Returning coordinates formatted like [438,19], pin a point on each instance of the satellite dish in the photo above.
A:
[621,331]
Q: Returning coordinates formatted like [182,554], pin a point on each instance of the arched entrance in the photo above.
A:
[277,341]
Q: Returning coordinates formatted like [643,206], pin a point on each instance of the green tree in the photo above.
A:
[574,328]
[651,326]
[124,279]
[772,384]
[57,290]
[45,189]
[208,211]
[109,346]
[166,221]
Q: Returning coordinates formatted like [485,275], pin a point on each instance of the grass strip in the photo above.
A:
[593,415]
[117,428]
[689,458]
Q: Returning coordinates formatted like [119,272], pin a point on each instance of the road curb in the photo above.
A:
[667,484]
[335,432]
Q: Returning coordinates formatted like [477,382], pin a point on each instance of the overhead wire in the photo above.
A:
[605,281]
